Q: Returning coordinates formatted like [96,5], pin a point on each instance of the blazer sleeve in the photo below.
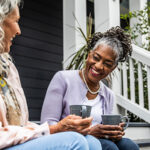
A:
[53,103]
[13,135]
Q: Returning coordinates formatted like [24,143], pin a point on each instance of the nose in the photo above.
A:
[99,65]
[18,30]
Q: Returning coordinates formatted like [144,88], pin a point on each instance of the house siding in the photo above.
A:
[38,52]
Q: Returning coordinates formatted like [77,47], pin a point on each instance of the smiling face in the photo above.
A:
[11,28]
[100,63]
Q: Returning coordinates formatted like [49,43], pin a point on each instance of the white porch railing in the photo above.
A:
[133,82]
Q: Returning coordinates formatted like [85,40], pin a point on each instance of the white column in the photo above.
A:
[133,6]
[107,14]
[72,39]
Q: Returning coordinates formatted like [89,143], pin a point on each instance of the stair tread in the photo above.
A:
[143,142]
[139,124]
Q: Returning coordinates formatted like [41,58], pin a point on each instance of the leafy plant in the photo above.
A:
[78,60]
[141,28]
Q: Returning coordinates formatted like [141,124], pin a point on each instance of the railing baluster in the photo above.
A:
[140,79]
[139,84]
[125,82]
[148,85]
[120,78]
[132,81]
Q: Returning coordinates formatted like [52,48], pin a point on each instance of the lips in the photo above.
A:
[94,72]
[11,39]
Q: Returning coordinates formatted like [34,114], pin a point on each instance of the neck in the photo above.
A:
[92,87]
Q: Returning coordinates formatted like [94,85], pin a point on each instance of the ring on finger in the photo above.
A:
[106,137]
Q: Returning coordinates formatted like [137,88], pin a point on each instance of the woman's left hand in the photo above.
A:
[112,132]
[122,125]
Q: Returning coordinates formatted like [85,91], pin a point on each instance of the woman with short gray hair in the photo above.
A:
[84,87]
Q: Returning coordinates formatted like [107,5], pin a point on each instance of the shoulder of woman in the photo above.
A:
[9,61]
[6,56]
[66,74]
[106,89]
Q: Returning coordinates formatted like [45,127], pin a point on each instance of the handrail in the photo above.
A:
[141,54]
[134,75]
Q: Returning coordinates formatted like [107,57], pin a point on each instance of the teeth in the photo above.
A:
[94,71]
[11,39]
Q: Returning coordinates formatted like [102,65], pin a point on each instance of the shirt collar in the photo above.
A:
[4,64]
[101,92]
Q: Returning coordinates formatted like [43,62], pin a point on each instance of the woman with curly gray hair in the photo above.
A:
[84,87]
[15,129]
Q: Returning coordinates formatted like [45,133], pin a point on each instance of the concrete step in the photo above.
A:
[138,131]
[143,144]
[144,148]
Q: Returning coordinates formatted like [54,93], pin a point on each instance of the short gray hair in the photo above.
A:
[116,38]
[113,43]
[6,7]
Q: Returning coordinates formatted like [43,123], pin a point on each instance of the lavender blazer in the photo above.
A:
[65,89]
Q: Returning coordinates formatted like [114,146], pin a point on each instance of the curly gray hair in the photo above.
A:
[6,7]
[117,39]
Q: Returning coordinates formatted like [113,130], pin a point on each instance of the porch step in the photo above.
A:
[138,131]
[144,148]
[139,124]
[143,143]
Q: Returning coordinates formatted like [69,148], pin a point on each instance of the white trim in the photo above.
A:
[72,39]
[107,14]
[140,84]
[141,55]
[125,81]
[133,107]
[132,80]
